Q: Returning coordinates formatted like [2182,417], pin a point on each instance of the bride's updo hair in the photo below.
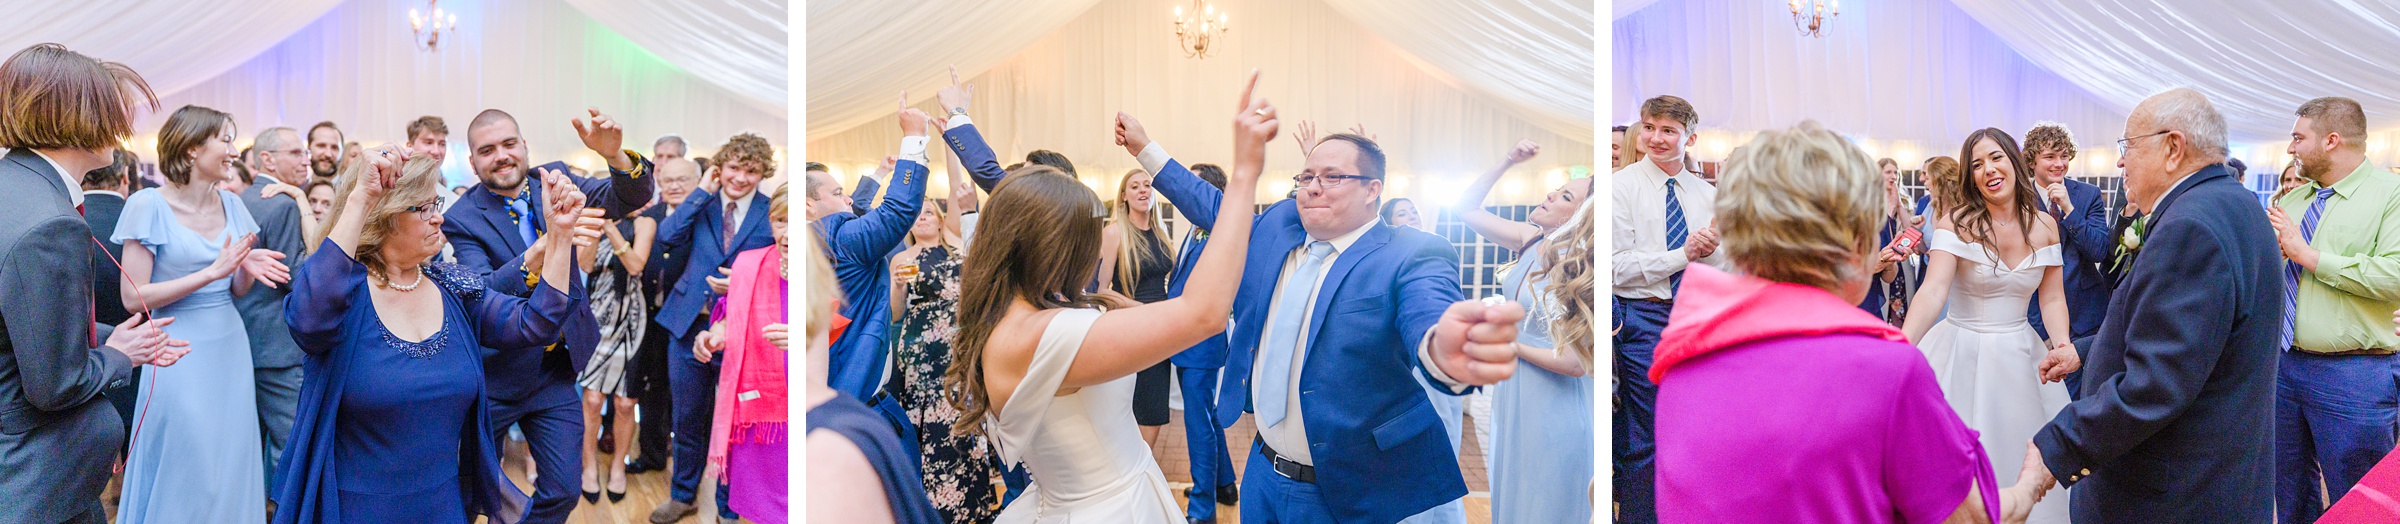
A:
[1039,242]
[1801,206]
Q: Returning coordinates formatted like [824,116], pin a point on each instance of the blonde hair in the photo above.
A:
[420,180]
[1569,281]
[823,291]
[1801,206]
[1128,250]
[1630,152]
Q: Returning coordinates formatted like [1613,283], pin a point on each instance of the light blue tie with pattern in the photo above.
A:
[1283,336]
[2291,270]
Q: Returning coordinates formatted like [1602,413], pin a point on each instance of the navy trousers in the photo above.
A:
[695,385]
[1212,463]
[1635,477]
[552,419]
[2334,418]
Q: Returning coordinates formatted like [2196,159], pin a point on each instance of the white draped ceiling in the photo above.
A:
[700,70]
[1061,90]
[1931,71]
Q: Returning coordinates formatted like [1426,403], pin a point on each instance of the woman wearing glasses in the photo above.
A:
[393,424]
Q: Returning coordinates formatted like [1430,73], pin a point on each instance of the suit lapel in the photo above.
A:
[1349,259]
[753,217]
[494,209]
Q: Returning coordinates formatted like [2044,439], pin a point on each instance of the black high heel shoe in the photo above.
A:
[616,496]
[591,497]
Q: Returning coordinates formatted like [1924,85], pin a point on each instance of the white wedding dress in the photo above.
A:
[1987,357]
[1082,449]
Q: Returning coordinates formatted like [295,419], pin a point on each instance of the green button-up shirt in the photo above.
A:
[2347,302]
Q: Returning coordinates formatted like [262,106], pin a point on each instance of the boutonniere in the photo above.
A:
[2130,243]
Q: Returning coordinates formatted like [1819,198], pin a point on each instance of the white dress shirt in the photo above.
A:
[74,180]
[733,216]
[1638,217]
[1290,438]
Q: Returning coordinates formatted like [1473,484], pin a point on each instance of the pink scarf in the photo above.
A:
[751,392]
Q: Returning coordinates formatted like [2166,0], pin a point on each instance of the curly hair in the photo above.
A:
[748,148]
[2046,137]
[1569,281]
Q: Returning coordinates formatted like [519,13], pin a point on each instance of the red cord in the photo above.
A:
[147,312]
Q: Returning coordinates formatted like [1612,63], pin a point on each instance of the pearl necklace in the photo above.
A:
[412,286]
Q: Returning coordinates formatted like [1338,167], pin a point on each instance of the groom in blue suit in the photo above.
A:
[2083,227]
[2178,410]
[1336,317]
[492,230]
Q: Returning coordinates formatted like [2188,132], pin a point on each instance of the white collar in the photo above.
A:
[743,203]
[74,181]
[1342,243]
[89,192]
[1661,176]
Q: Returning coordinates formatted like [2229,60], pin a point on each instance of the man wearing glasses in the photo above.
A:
[1337,317]
[274,357]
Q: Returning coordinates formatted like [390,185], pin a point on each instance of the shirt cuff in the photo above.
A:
[1425,358]
[1153,158]
[956,121]
[913,148]
[637,170]
[2331,265]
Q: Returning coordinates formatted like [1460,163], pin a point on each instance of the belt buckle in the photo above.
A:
[1287,468]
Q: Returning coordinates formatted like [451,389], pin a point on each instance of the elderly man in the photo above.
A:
[274,357]
[2179,389]
[2334,392]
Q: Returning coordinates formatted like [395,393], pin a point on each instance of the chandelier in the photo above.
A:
[1195,34]
[428,28]
[1809,16]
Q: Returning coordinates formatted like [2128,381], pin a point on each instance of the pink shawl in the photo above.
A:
[751,392]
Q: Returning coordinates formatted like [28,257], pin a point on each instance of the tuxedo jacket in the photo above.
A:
[485,239]
[1380,451]
[57,435]
[2177,418]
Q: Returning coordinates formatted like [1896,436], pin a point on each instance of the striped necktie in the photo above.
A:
[2291,270]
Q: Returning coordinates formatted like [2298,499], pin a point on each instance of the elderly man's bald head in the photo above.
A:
[2186,111]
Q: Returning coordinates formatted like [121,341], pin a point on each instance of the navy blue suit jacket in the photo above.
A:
[1380,451]
[485,240]
[860,248]
[2085,235]
[698,228]
[2177,419]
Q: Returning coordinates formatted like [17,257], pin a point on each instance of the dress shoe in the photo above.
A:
[671,511]
[643,465]
[1197,520]
[1229,494]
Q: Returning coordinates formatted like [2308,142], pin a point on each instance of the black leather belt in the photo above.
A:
[1286,467]
[2350,353]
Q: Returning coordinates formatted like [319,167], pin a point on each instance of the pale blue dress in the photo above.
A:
[1534,478]
[196,433]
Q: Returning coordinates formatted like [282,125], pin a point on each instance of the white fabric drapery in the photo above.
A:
[739,45]
[1908,80]
[2257,61]
[175,45]
[543,61]
[1062,93]
[863,53]
[1535,55]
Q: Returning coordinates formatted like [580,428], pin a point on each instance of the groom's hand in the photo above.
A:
[1475,344]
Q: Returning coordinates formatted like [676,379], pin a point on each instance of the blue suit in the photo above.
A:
[536,389]
[2085,238]
[859,246]
[1378,445]
[1196,372]
[2176,423]
[863,198]
[698,228]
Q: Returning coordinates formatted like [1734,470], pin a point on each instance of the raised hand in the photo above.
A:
[1475,342]
[1525,150]
[230,255]
[1306,136]
[778,334]
[2059,361]
[1253,127]
[912,121]
[602,134]
[955,97]
[266,265]
[890,162]
[1130,134]
[2058,198]
[1361,130]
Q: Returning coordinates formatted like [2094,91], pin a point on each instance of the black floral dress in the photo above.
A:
[959,469]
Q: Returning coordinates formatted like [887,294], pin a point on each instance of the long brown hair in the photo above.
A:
[1970,213]
[1039,242]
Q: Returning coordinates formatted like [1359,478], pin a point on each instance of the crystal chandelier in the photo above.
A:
[1809,16]
[1197,33]
[428,28]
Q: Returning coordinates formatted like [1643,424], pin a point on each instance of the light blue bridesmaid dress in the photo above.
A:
[195,450]
[1536,477]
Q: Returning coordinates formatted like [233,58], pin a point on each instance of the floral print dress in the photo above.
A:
[960,472]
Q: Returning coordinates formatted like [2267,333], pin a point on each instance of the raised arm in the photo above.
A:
[2086,231]
[1125,341]
[1196,199]
[874,234]
[1509,234]
[623,192]
[503,320]
[139,262]
[959,131]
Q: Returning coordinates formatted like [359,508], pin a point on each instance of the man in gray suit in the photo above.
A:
[57,436]
[274,357]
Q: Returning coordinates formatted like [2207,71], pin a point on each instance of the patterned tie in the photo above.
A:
[518,208]
[731,226]
[1283,336]
[2291,270]
[1676,233]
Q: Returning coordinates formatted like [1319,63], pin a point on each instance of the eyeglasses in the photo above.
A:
[2123,142]
[1325,181]
[425,211]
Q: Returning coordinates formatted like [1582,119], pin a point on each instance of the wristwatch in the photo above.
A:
[955,111]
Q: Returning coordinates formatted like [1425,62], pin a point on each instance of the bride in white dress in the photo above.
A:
[1047,372]
[1994,250]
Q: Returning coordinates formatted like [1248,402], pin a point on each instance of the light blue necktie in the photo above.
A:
[1283,336]
[2291,270]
